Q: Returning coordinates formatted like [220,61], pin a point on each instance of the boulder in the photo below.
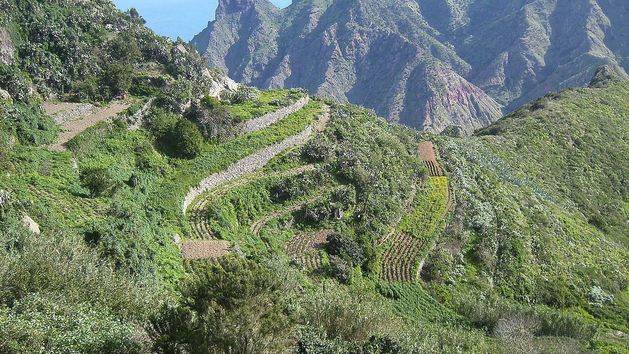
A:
[4,95]
[7,50]
[30,224]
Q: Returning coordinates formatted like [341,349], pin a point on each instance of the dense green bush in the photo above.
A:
[55,295]
[29,123]
[235,305]
[214,121]
[186,139]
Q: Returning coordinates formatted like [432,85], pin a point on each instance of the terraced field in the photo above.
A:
[76,118]
[304,249]
[419,229]
[426,151]
[240,173]
[400,262]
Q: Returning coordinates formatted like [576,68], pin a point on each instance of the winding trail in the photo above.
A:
[76,118]
[214,248]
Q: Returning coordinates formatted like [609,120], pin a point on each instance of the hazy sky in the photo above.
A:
[183,18]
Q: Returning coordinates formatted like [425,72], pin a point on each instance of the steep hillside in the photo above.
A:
[541,211]
[182,213]
[427,64]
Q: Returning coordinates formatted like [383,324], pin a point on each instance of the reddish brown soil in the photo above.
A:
[426,151]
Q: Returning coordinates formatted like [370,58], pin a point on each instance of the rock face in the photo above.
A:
[428,64]
[7,50]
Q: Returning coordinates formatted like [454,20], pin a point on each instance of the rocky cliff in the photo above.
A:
[428,64]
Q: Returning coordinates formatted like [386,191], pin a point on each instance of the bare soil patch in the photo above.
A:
[214,249]
[72,124]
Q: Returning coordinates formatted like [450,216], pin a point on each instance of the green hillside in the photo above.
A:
[182,213]
[541,212]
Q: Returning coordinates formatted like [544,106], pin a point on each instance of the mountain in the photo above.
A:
[150,205]
[427,64]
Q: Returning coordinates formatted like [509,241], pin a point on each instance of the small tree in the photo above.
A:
[214,121]
[233,306]
[186,139]
[116,79]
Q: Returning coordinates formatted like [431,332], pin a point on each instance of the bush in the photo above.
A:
[243,94]
[346,248]
[116,79]
[214,121]
[100,180]
[233,306]
[186,139]
[29,124]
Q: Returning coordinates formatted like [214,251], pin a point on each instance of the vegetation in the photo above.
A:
[532,257]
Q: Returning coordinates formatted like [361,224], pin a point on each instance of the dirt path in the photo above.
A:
[76,125]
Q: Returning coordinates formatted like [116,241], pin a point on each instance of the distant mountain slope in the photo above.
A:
[427,64]
[542,204]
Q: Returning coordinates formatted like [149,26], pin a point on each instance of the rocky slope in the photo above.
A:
[427,64]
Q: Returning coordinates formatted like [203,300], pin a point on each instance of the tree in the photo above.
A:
[214,121]
[186,139]
[116,79]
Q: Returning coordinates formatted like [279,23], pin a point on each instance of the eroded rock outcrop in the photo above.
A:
[7,50]
[427,64]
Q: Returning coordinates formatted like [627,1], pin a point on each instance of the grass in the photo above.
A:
[269,101]
[414,304]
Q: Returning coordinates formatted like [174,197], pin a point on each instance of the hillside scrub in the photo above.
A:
[539,217]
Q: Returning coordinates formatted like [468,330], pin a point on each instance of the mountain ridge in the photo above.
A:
[374,53]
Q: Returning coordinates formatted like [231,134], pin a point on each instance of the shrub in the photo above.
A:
[346,248]
[100,180]
[214,121]
[186,139]
[29,124]
[243,94]
[235,305]
[116,79]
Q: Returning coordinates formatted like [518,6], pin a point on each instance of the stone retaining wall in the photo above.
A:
[247,165]
[273,117]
